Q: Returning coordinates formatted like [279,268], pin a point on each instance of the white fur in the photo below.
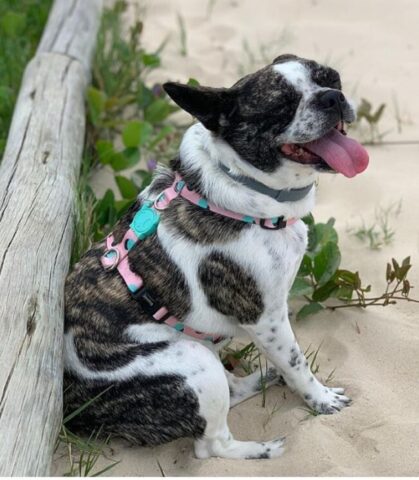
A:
[296,74]
[201,150]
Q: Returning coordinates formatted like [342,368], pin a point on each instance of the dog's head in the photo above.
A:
[291,113]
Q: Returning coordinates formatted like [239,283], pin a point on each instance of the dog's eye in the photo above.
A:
[335,82]
[327,77]
[337,86]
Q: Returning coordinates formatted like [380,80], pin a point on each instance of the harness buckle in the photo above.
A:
[281,223]
[113,255]
[146,300]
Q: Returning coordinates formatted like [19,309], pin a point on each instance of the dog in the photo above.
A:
[222,245]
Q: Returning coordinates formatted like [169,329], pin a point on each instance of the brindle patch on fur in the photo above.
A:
[161,276]
[190,221]
[199,225]
[230,289]
[320,74]
[266,104]
[99,306]
[129,409]
[162,179]
[192,178]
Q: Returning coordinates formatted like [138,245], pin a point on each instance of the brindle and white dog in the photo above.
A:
[276,128]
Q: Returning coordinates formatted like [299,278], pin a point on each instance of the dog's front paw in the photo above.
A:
[328,401]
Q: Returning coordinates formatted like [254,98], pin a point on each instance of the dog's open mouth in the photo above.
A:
[333,151]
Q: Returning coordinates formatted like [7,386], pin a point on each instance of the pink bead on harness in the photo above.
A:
[145,223]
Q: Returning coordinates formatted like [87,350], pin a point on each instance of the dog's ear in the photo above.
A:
[205,103]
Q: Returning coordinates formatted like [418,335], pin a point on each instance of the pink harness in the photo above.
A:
[145,224]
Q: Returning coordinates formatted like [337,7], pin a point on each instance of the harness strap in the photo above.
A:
[179,187]
[144,224]
[116,256]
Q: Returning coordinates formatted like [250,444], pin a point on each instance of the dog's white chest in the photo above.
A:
[275,258]
[270,258]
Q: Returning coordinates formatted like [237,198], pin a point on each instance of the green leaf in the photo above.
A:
[126,159]
[320,234]
[300,287]
[309,309]
[377,115]
[163,133]
[150,60]
[324,292]
[105,151]
[350,278]
[96,101]
[403,271]
[193,82]
[136,133]
[144,96]
[344,293]
[85,405]
[13,24]
[142,178]
[122,207]
[396,266]
[105,209]
[126,187]
[308,219]
[306,266]
[406,262]
[157,111]
[326,262]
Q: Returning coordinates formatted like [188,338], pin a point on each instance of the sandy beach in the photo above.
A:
[374,354]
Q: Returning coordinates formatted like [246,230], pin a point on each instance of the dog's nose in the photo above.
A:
[332,100]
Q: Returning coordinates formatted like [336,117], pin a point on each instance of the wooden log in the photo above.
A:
[38,178]
[69,29]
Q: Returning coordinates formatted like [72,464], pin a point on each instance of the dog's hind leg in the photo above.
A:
[242,388]
[212,389]
[219,442]
[179,390]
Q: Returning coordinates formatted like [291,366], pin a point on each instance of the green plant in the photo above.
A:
[330,377]
[320,278]
[367,114]
[401,120]
[311,356]
[183,39]
[263,370]
[82,453]
[310,412]
[127,124]
[21,25]
[264,53]
[84,213]
[246,357]
[380,232]
[210,7]
[271,412]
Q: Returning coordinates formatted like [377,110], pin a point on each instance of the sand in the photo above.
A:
[375,353]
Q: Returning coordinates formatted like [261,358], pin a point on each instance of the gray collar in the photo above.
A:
[291,195]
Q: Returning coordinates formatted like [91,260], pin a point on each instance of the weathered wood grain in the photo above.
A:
[38,177]
[69,29]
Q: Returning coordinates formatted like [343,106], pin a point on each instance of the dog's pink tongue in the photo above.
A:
[343,154]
